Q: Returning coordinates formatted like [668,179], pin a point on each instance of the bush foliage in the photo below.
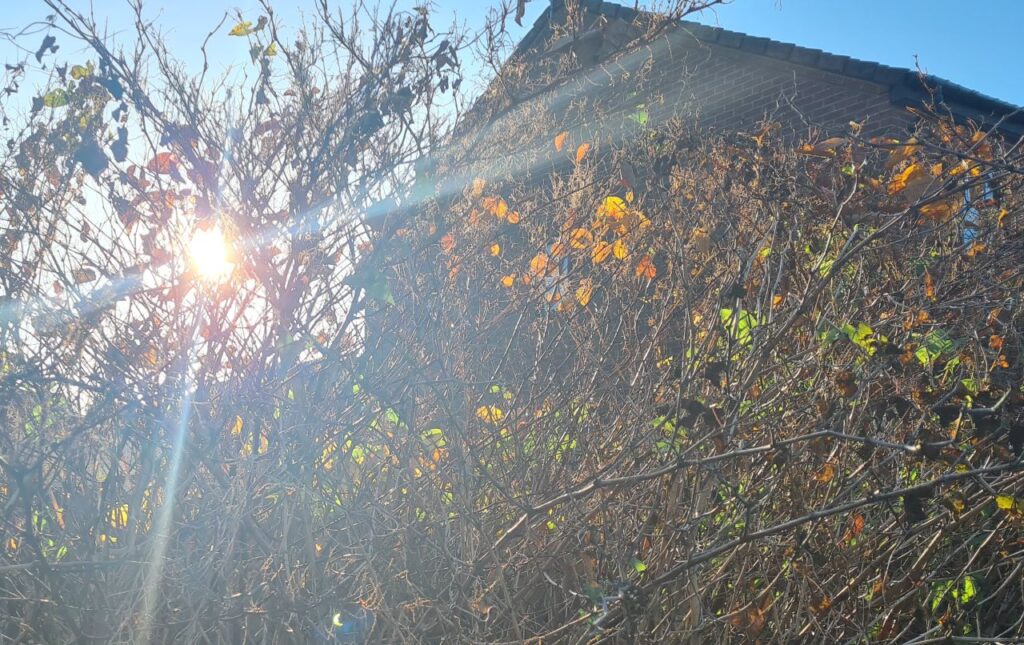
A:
[672,385]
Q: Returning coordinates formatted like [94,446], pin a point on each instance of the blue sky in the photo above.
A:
[977,43]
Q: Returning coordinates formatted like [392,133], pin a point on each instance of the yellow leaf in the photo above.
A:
[585,291]
[601,252]
[243,28]
[581,238]
[1007,503]
[612,207]
[264,444]
[119,516]
[539,264]
[619,250]
[560,140]
[1002,217]
[495,249]
[508,280]
[151,356]
[236,428]
[629,197]
[272,49]
[582,151]
[490,414]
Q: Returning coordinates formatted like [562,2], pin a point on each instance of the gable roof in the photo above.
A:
[906,87]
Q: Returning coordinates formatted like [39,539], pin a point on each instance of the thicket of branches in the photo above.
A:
[667,385]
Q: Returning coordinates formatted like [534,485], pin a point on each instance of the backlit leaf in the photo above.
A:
[620,250]
[490,414]
[582,151]
[600,252]
[612,207]
[560,140]
[911,172]
[236,427]
[585,291]
[243,28]
[163,163]
[581,238]
[645,268]
[539,264]
[508,281]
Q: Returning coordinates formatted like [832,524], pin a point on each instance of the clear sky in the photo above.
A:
[977,43]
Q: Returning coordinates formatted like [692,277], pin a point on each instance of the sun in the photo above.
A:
[208,252]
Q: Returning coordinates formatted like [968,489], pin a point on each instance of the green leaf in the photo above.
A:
[967,592]
[740,330]
[57,98]
[638,565]
[935,344]
[862,336]
[641,116]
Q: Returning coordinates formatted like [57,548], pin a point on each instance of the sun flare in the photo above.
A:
[208,252]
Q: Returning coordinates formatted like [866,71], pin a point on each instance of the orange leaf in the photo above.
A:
[581,238]
[645,268]
[929,285]
[600,252]
[826,474]
[557,249]
[495,249]
[447,243]
[560,140]
[508,280]
[164,163]
[513,217]
[900,181]
[938,211]
[582,151]
[975,249]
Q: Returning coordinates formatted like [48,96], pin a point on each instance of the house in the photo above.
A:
[596,68]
